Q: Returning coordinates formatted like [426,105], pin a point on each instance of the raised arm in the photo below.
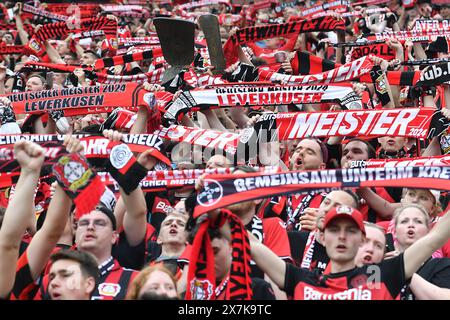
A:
[30,157]
[384,208]
[135,218]
[425,290]
[423,248]
[47,237]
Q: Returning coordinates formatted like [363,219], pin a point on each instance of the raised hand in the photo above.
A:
[29,155]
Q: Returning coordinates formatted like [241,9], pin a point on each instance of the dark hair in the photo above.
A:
[109,214]
[88,264]
[355,197]
[370,150]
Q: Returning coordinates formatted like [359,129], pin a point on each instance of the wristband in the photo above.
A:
[124,168]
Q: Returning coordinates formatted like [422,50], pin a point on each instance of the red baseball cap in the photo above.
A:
[345,211]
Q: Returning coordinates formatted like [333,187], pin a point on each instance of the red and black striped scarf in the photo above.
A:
[127,58]
[201,281]
[61,29]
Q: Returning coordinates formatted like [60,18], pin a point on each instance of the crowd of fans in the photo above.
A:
[136,243]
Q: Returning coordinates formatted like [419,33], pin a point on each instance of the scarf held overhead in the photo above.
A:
[253,95]
[405,122]
[82,100]
[95,147]
[222,190]
[258,33]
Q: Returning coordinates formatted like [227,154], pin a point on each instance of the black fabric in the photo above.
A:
[153,251]
[262,290]
[297,242]
[128,256]
[435,271]
[131,179]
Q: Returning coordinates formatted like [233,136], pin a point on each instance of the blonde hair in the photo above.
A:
[136,285]
[400,210]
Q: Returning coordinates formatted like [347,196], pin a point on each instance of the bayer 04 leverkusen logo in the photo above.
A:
[212,192]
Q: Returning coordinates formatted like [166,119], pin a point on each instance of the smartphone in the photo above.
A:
[389,242]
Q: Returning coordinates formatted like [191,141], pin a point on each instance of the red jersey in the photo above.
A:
[357,284]
[112,284]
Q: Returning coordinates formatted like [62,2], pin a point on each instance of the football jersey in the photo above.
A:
[383,281]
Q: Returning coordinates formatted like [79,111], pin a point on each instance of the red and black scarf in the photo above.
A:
[61,29]
[252,34]
[201,281]
[223,190]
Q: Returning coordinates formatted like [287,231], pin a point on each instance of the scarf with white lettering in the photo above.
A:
[43,13]
[232,95]
[84,100]
[95,148]
[201,280]
[346,72]
[412,35]
[435,74]
[338,6]
[407,122]
[127,10]
[443,160]
[309,251]
[289,30]
[202,3]
[222,190]
[305,63]
[432,25]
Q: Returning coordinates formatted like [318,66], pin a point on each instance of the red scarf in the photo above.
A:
[201,281]
[83,100]
[419,161]
[252,34]
[61,29]
[373,123]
